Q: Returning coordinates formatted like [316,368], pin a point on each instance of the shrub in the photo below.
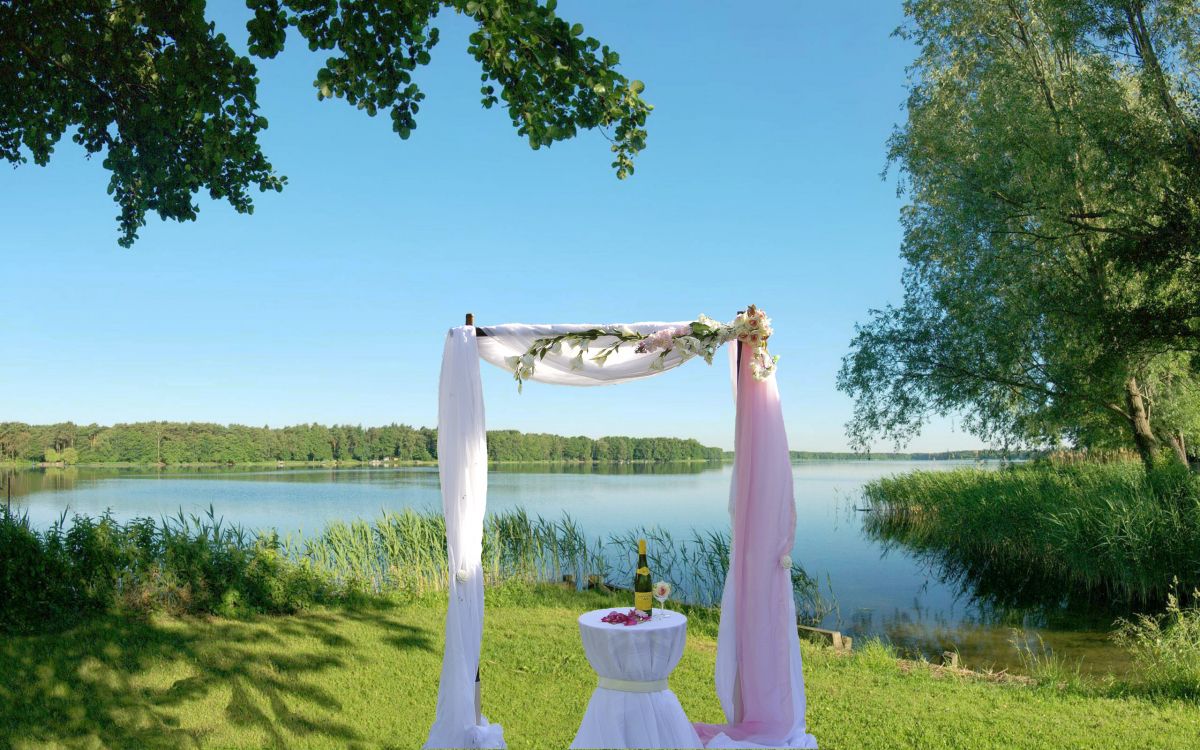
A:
[278,585]
[185,565]
[1166,648]
[33,580]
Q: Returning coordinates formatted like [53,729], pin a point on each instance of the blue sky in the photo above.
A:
[760,184]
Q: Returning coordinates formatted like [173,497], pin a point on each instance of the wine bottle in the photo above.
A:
[643,600]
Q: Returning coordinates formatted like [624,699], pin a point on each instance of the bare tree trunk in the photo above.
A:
[1177,444]
[1143,436]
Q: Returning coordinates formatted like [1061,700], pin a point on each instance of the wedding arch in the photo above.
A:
[759,678]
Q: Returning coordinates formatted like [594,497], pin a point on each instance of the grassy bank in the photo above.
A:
[1037,532]
[367,677]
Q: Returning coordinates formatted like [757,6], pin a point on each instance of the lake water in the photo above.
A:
[879,590]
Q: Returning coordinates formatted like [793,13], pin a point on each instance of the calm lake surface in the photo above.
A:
[879,590]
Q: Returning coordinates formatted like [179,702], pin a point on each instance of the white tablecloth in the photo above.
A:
[636,709]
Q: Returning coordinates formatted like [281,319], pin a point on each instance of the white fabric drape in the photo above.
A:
[462,467]
[498,343]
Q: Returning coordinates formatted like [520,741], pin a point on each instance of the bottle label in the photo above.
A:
[643,601]
[643,571]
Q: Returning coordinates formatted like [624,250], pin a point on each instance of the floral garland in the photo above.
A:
[700,338]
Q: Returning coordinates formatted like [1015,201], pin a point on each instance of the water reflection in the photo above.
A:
[1004,593]
[1005,607]
[629,469]
[24,482]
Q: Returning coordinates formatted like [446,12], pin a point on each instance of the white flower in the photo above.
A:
[512,362]
[764,325]
[762,367]
[662,590]
[785,562]
[527,360]
[577,362]
[462,575]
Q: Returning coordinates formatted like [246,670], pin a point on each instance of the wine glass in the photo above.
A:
[661,591]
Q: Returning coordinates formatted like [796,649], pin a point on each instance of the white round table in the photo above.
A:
[632,705]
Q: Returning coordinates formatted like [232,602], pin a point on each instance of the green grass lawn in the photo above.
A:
[367,677]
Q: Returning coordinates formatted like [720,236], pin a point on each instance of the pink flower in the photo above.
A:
[663,339]
[618,618]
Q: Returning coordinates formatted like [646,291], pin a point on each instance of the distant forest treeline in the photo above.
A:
[193,442]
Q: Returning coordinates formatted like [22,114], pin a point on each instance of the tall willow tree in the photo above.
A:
[1051,158]
[158,90]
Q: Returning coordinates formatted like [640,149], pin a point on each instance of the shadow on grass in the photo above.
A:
[122,682]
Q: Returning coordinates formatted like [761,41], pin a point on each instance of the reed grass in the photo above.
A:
[1167,649]
[1029,534]
[1047,668]
[199,563]
[406,551]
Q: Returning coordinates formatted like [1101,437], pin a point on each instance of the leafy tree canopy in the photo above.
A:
[1051,156]
[161,93]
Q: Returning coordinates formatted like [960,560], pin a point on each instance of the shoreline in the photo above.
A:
[380,464]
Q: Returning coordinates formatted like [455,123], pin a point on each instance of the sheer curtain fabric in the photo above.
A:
[759,677]
[561,368]
[462,468]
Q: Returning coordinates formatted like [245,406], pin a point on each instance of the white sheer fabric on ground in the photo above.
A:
[514,339]
[640,653]
[462,467]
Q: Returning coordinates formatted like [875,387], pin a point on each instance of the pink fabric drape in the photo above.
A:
[764,705]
